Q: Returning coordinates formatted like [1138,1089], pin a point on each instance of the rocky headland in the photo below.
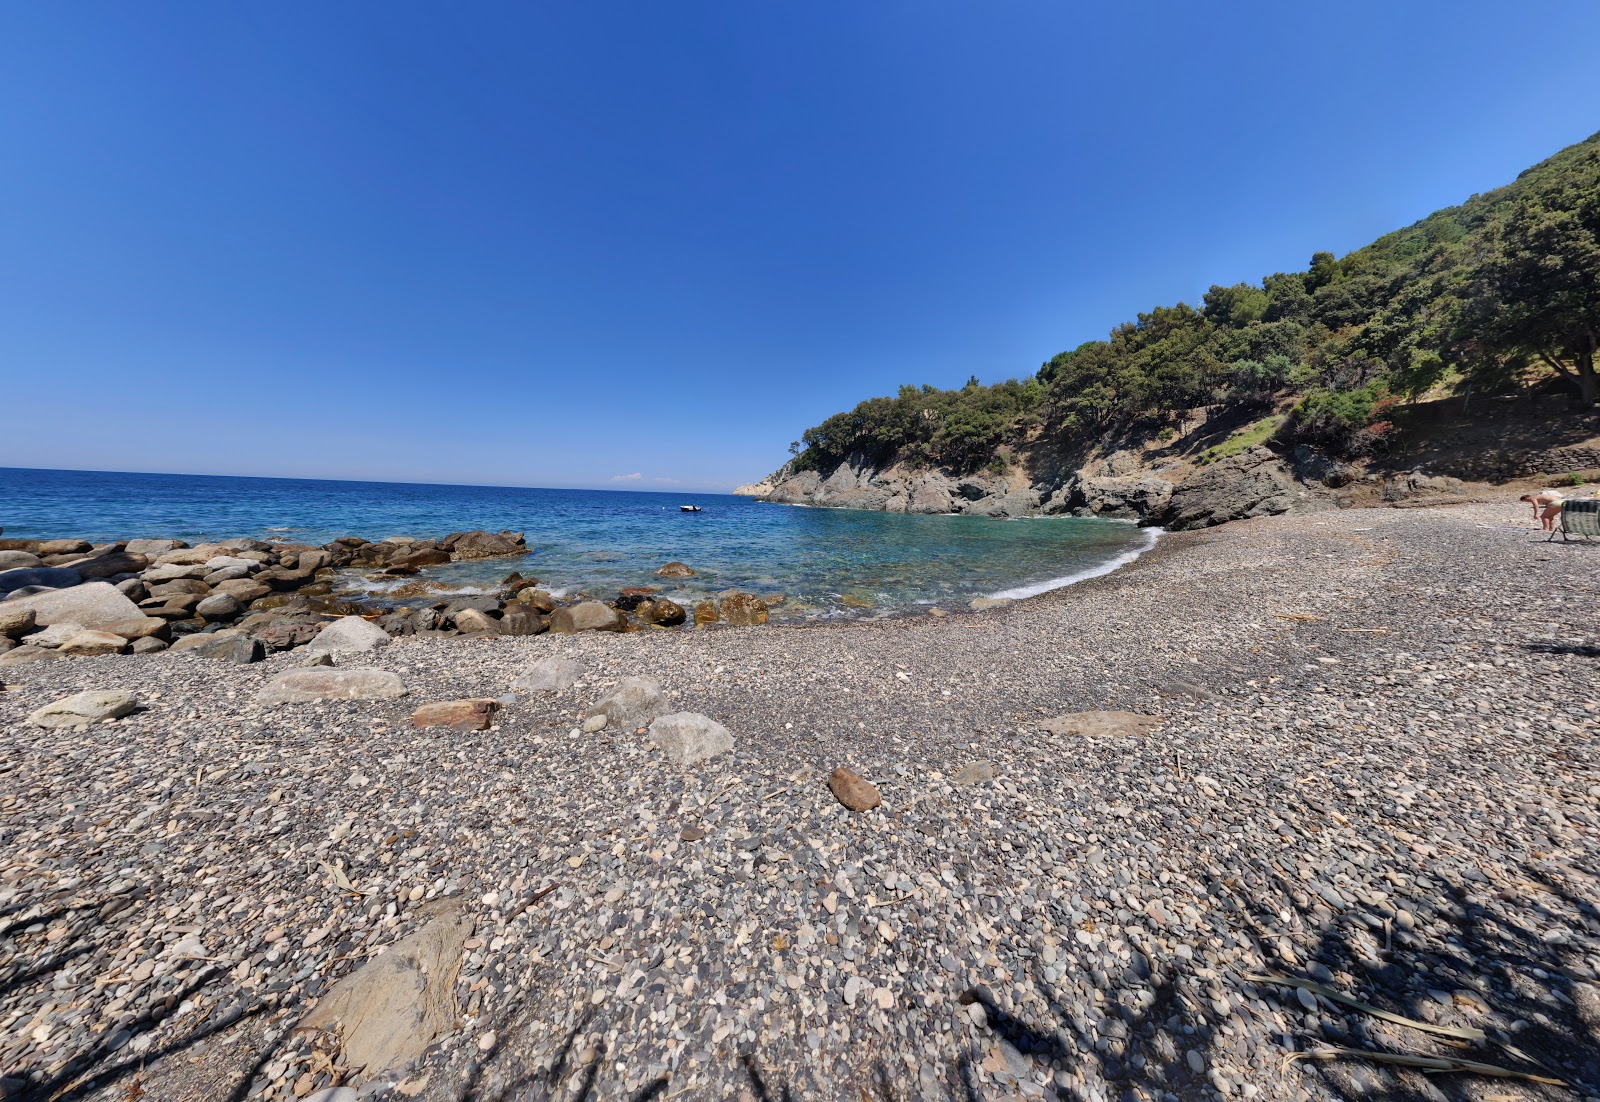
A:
[1304,810]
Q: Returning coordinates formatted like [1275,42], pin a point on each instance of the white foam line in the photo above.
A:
[1017,594]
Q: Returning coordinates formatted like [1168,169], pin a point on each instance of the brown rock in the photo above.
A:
[665,613]
[144,627]
[16,622]
[110,564]
[853,791]
[705,613]
[88,644]
[458,715]
[469,546]
[521,619]
[675,570]
[470,619]
[588,616]
[180,585]
[537,599]
[743,610]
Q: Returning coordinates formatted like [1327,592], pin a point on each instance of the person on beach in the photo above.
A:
[1546,507]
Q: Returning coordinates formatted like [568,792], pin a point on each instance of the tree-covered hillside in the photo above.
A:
[1499,293]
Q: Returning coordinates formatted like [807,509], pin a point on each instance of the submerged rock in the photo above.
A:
[675,570]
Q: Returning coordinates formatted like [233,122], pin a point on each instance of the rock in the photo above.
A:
[180,607]
[1311,465]
[148,645]
[1124,498]
[675,570]
[54,635]
[172,572]
[88,644]
[242,590]
[231,645]
[1101,724]
[1253,483]
[132,588]
[549,675]
[470,546]
[522,619]
[16,621]
[536,599]
[706,613]
[219,606]
[978,604]
[24,654]
[470,619]
[82,709]
[852,790]
[180,587]
[741,610]
[109,564]
[50,577]
[140,627]
[1420,484]
[153,547]
[632,704]
[19,560]
[230,562]
[978,772]
[390,1010]
[594,725]
[458,715]
[62,547]
[349,635]
[325,683]
[286,634]
[660,611]
[588,616]
[688,738]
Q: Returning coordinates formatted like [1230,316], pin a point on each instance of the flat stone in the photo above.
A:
[94,605]
[548,675]
[88,644]
[852,790]
[21,656]
[82,709]
[301,686]
[978,604]
[140,627]
[54,635]
[688,738]
[978,772]
[458,715]
[1101,724]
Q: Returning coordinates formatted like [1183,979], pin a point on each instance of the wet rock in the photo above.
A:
[536,599]
[706,613]
[471,546]
[632,704]
[852,790]
[978,604]
[661,612]
[688,738]
[325,683]
[457,715]
[349,635]
[675,570]
[82,709]
[742,610]
[549,675]
[588,616]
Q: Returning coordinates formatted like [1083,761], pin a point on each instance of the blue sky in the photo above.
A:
[557,245]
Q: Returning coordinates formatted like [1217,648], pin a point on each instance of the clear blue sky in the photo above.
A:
[554,244]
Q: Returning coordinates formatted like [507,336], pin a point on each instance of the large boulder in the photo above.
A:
[88,644]
[688,738]
[94,605]
[521,619]
[471,620]
[1254,483]
[82,709]
[468,546]
[588,616]
[349,635]
[140,627]
[54,635]
[51,577]
[661,612]
[19,560]
[632,704]
[549,675]
[109,564]
[1121,498]
[16,621]
[314,683]
[742,610]
[152,547]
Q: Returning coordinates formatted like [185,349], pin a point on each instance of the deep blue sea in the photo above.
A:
[825,561]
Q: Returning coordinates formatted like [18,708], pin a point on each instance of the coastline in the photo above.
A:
[1344,748]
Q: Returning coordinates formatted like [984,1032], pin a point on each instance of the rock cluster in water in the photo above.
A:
[242,599]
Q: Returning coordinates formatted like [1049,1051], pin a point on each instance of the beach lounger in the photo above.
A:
[1579,518]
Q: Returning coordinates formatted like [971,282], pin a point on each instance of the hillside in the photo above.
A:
[1303,388]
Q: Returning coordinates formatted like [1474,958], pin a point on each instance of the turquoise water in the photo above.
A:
[825,561]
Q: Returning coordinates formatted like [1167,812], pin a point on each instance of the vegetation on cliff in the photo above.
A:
[1499,293]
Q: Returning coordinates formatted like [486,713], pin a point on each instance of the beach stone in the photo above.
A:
[742,610]
[688,738]
[140,627]
[109,565]
[470,546]
[593,725]
[19,560]
[226,574]
[88,644]
[521,619]
[153,547]
[50,577]
[177,607]
[549,675]
[82,709]
[172,572]
[675,570]
[45,548]
[978,604]
[1101,724]
[219,606]
[132,588]
[662,612]
[242,590]
[978,772]
[632,704]
[349,635]
[852,790]
[706,613]
[458,715]
[230,562]
[20,656]
[16,621]
[54,635]
[327,683]
[285,634]
[537,599]
[180,587]
[471,619]
[588,616]
[201,639]
[390,1010]
[231,645]
[147,645]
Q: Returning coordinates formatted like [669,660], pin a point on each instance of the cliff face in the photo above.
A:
[1122,486]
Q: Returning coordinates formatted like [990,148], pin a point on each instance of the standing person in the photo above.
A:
[1546,507]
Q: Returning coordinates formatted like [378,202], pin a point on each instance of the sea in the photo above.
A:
[825,562]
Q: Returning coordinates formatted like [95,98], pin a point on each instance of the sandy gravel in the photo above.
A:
[1376,770]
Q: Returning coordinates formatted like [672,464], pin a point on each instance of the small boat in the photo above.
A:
[689,508]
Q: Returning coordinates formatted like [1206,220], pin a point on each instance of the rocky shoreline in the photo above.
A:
[1159,836]
[239,600]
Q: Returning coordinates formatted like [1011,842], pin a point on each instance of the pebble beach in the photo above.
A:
[1353,750]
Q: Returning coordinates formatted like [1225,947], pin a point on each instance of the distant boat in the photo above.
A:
[689,508]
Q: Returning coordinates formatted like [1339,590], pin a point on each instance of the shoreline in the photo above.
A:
[1345,771]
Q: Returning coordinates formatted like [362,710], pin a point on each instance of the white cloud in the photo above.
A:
[668,481]
[634,477]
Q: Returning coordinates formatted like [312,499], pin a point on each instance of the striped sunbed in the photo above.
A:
[1580,518]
